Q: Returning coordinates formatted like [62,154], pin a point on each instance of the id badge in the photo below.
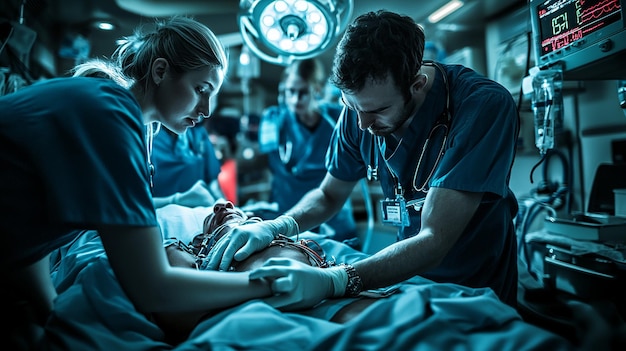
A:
[394,212]
[268,135]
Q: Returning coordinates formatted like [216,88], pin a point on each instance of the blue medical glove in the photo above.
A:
[243,241]
[299,286]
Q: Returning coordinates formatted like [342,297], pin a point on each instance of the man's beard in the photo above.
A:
[407,112]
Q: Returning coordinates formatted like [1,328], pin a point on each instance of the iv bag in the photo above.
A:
[547,105]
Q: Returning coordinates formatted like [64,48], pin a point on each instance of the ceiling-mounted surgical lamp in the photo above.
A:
[280,31]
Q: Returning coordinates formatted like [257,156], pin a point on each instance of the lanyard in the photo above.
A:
[285,152]
[296,131]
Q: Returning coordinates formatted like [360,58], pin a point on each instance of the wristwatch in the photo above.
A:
[355,284]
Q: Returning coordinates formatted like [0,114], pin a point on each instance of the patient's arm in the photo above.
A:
[33,282]
[140,264]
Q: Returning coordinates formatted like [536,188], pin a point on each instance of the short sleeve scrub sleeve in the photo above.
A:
[344,158]
[78,161]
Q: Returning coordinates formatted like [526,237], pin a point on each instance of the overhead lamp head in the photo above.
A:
[104,25]
[280,31]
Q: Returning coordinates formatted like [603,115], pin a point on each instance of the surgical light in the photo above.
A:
[104,25]
[280,31]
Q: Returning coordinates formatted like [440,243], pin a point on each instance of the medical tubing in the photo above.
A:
[547,124]
[543,158]
[529,216]
[561,192]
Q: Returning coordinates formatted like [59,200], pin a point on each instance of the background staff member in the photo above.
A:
[296,135]
[185,168]
[397,129]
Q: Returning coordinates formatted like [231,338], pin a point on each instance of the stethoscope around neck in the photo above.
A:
[285,149]
[442,122]
[284,152]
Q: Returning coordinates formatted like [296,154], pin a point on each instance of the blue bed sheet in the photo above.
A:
[93,313]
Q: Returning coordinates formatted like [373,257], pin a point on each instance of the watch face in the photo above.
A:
[355,284]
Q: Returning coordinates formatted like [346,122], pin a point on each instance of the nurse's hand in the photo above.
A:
[243,241]
[299,286]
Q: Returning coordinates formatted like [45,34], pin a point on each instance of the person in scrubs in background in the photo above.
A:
[295,135]
[186,168]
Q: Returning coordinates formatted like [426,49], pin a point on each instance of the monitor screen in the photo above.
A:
[563,22]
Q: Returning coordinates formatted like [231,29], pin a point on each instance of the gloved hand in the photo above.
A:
[243,241]
[198,195]
[299,286]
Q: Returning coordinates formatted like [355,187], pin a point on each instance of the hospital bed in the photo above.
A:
[93,313]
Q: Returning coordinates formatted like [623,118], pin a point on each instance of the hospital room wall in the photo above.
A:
[601,122]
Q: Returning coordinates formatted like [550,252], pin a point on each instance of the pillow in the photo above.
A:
[181,222]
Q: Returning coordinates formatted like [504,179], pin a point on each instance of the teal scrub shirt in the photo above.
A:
[180,161]
[73,156]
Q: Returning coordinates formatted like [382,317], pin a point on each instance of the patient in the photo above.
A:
[225,217]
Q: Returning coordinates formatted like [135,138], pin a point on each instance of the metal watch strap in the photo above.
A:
[355,284]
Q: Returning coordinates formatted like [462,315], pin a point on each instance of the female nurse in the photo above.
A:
[75,155]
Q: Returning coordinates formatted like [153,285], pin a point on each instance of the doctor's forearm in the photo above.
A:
[313,209]
[400,261]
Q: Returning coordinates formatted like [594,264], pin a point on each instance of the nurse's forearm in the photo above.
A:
[314,209]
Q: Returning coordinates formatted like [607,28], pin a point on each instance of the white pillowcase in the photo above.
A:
[180,222]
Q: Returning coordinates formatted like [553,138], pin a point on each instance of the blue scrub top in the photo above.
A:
[296,156]
[73,156]
[180,161]
[478,156]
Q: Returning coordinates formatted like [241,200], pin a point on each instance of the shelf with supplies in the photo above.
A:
[593,227]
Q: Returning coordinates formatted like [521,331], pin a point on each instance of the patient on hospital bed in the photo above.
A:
[225,217]
[222,220]
[92,311]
